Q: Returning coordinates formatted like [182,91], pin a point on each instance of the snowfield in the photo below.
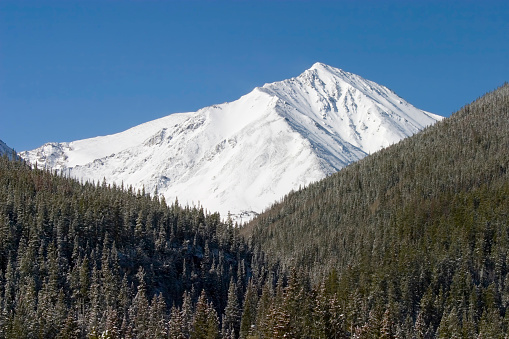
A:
[241,156]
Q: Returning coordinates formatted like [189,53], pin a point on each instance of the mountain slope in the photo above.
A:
[419,230]
[92,261]
[243,155]
[4,149]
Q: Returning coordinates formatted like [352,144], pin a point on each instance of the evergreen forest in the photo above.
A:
[94,261]
[410,242]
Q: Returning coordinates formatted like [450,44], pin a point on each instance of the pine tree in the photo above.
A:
[139,312]
[321,313]
[336,327]
[200,317]
[95,309]
[176,325]
[449,325]
[248,319]
[212,323]
[186,315]
[490,325]
[113,322]
[387,331]
[25,320]
[232,312]
[280,319]
[158,323]
[263,311]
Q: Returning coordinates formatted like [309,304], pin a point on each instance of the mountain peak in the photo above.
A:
[241,156]
[321,66]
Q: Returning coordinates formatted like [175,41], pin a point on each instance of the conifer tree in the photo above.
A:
[248,319]
[186,315]
[263,310]
[158,322]
[387,331]
[139,312]
[176,325]
[200,317]
[212,323]
[232,312]
[321,313]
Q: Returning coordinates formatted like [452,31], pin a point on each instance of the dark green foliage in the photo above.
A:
[232,313]
[417,234]
[248,321]
[79,260]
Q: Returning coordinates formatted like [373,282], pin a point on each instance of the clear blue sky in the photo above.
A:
[76,69]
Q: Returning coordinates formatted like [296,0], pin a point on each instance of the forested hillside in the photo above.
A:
[84,260]
[412,241]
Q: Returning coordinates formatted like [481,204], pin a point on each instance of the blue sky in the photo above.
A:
[76,69]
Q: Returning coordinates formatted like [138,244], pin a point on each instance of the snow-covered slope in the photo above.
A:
[4,149]
[243,155]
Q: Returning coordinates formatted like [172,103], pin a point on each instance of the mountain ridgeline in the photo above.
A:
[4,149]
[235,157]
[416,234]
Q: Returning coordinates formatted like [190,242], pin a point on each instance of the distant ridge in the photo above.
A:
[4,149]
[241,156]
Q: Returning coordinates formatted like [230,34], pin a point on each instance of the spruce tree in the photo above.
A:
[232,312]
[200,317]
[248,319]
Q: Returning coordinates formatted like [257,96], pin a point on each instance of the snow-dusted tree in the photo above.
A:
[248,319]
[139,312]
[200,317]
[232,312]
[176,325]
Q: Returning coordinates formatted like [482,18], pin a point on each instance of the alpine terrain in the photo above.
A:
[4,149]
[241,156]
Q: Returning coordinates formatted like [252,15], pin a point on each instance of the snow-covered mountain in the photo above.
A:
[241,156]
[4,149]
